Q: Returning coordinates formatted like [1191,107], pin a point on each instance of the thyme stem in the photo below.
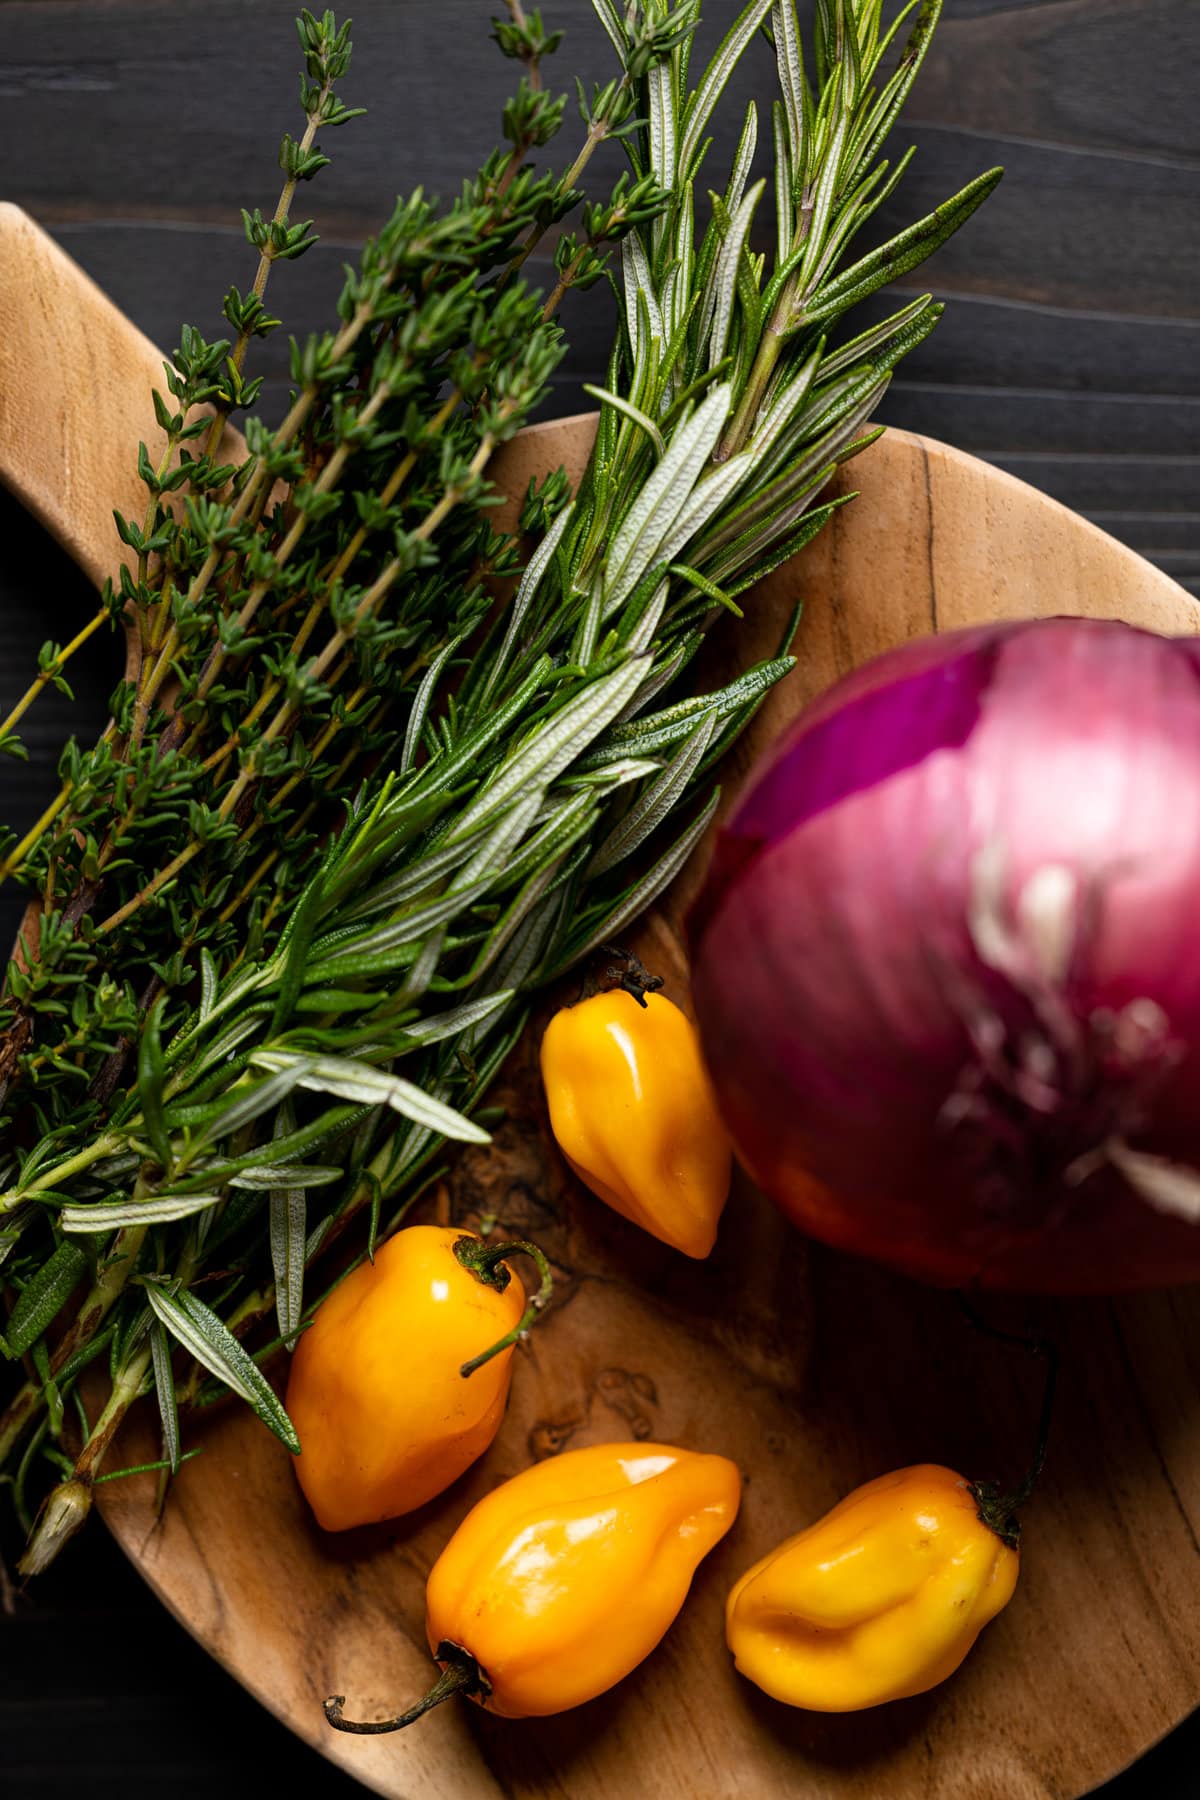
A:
[43,679]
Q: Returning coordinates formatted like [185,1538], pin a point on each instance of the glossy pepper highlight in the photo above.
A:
[633,1111]
[383,1388]
[880,1599]
[565,1578]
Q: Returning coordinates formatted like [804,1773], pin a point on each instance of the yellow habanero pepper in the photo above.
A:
[633,1112]
[377,1389]
[880,1599]
[563,1579]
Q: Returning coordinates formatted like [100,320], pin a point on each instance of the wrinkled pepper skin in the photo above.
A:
[633,1111]
[566,1577]
[880,1599]
[384,1417]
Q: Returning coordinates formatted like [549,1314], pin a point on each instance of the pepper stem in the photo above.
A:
[487,1263]
[635,977]
[998,1510]
[461,1675]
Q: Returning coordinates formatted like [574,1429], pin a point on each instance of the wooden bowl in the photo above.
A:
[813,1371]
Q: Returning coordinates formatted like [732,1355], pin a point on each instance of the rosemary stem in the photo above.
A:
[67,1507]
[18,1414]
[125,1390]
[769,351]
[63,1171]
[111,1282]
[107,1289]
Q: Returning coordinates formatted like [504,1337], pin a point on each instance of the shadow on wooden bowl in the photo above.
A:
[812,1371]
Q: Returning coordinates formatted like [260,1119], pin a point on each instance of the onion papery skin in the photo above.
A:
[946,964]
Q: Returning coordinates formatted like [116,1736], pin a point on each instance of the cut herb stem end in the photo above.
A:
[63,1513]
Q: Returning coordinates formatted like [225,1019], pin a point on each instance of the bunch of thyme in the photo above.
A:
[542,772]
[285,606]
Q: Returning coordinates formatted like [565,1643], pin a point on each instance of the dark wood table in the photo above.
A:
[1069,354]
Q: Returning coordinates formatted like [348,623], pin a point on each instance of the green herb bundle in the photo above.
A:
[256,1063]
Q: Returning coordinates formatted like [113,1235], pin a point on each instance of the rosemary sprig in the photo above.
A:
[543,772]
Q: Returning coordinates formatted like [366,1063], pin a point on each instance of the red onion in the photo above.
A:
[947,962]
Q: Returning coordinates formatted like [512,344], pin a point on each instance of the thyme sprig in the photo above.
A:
[259,589]
[542,768]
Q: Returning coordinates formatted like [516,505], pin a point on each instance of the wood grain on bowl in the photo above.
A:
[812,1371]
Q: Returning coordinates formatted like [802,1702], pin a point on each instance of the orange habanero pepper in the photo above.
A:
[885,1596]
[880,1599]
[377,1389]
[565,1578]
[633,1111]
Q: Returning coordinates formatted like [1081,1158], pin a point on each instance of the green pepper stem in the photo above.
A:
[461,1675]
[487,1263]
[998,1510]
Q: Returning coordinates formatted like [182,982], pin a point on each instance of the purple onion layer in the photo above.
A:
[946,966]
